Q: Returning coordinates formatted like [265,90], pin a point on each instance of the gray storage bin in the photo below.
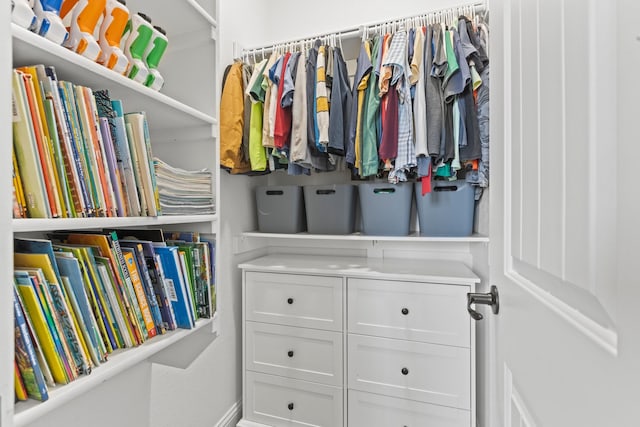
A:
[280,209]
[447,211]
[330,208]
[386,208]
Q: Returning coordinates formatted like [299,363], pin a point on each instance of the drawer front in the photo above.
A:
[277,401]
[306,354]
[424,312]
[373,410]
[410,370]
[294,300]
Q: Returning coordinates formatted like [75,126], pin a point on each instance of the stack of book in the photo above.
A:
[184,192]
[76,154]
[82,295]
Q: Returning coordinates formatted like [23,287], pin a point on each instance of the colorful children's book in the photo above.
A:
[25,358]
[27,155]
[34,310]
[176,285]
[74,285]
[138,287]
[145,278]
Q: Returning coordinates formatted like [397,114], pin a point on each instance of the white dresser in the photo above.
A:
[358,342]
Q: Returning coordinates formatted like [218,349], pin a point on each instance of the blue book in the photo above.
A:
[70,267]
[176,285]
[26,355]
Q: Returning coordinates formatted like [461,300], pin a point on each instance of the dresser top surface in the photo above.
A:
[428,270]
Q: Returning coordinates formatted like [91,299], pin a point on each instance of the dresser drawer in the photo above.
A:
[306,354]
[295,300]
[373,410]
[410,370]
[424,312]
[277,401]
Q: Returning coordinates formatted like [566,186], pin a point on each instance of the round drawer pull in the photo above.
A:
[290,406]
[405,371]
[290,353]
[289,300]
[405,311]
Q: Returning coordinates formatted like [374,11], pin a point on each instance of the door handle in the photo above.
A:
[490,298]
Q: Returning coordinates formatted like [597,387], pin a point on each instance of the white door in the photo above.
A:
[565,245]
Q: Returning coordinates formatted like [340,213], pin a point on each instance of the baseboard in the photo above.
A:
[232,416]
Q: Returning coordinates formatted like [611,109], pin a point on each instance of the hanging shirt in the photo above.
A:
[275,72]
[232,121]
[246,76]
[389,143]
[340,106]
[299,150]
[371,115]
[267,85]
[257,153]
[406,157]
[433,73]
[419,100]
[319,159]
[363,68]
[361,94]
[321,102]
[282,125]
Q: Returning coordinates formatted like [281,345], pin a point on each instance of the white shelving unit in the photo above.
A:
[183,127]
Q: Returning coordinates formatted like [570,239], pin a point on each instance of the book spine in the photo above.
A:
[78,209]
[138,320]
[76,153]
[42,145]
[26,154]
[148,288]
[137,170]
[99,151]
[114,169]
[34,312]
[63,184]
[68,329]
[26,359]
[140,294]
[152,170]
[161,288]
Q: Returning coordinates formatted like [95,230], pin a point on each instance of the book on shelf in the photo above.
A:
[34,310]
[74,285]
[145,278]
[114,170]
[27,156]
[103,265]
[140,293]
[115,115]
[33,99]
[26,361]
[142,146]
[42,272]
[157,281]
[105,333]
[177,285]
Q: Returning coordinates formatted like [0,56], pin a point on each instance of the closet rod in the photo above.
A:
[355,32]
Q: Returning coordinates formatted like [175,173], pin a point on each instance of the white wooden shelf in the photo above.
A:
[28,411]
[44,224]
[162,110]
[413,237]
